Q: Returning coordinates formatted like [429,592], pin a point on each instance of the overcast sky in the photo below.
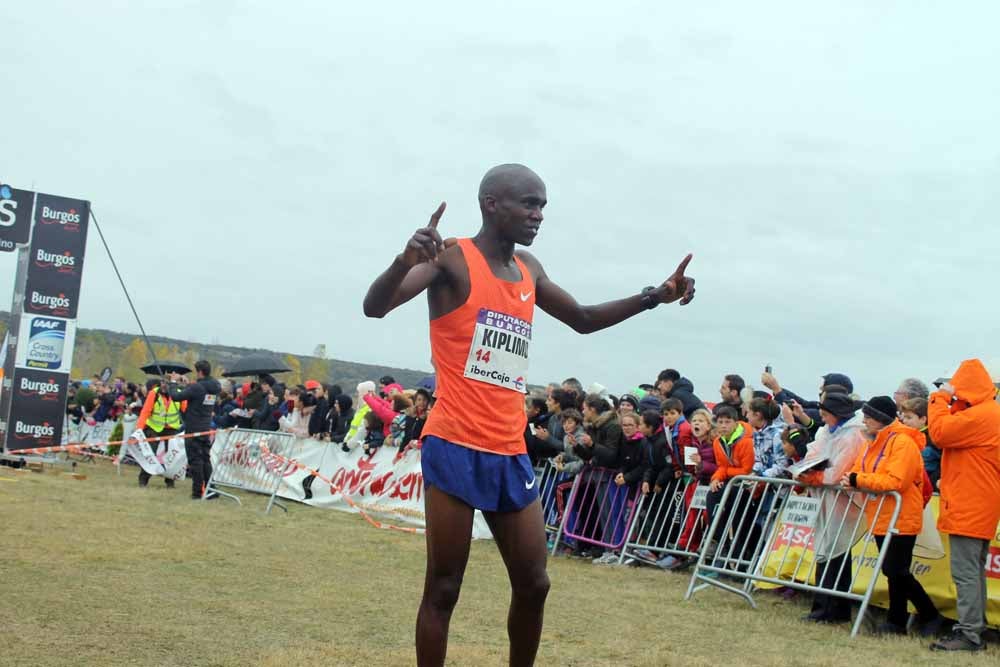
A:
[834,168]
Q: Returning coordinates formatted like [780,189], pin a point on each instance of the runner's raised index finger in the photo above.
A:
[436,216]
[683,265]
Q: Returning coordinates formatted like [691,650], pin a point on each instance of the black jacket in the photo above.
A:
[343,425]
[317,420]
[683,391]
[200,397]
[413,428]
[633,464]
[660,468]
[539,449]
[606,433]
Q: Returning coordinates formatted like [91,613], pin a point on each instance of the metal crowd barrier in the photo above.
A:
[669,523]
[241,464]
[598,511]
[553,486]
[756,519]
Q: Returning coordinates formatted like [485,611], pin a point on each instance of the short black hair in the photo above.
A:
[565,399]
[268,380]
[651,418]
[726,410]
[203,367]
[674,404]
[307,399]
[335,390]
[668,374]
[387,379]
[536,402]
[597,403]
[735,382]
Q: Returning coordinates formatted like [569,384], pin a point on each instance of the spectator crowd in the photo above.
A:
[915,442]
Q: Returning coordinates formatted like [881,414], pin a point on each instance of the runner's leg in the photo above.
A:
[449,532]
[520,536]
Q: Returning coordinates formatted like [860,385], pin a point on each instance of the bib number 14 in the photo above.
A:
[482,356]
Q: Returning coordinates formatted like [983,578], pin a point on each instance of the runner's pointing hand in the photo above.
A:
[426,244]
[678,286]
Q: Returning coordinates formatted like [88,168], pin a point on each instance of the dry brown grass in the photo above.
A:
[100,572]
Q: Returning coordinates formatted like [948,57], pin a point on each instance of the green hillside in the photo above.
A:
[96,349]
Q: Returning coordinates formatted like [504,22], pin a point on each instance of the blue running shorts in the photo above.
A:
[487,482]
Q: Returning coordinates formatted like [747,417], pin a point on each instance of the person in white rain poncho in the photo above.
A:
[840,522]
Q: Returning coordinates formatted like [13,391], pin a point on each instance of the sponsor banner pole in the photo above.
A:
[23,219]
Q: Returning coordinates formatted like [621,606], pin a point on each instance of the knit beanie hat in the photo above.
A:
[881,409]
[650,402]
[629,398]
[840,406]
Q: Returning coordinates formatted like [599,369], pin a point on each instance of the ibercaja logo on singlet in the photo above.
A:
[499,351]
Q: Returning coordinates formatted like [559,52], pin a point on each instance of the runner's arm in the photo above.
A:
[560,304]
[410,273]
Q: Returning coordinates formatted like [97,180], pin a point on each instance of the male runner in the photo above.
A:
[481,296]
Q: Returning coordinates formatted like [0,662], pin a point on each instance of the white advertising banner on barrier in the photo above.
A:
[385,485]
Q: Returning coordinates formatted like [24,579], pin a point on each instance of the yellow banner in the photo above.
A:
[931,565]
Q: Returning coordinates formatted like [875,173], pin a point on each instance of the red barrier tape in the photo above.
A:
[340,489]
[75,446]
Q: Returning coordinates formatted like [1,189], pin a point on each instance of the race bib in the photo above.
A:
[499,351]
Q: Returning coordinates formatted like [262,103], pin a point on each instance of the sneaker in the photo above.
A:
[682,564]
[888,628]
[646,554]
[931,628]
[666,562]
[957,641]
[607,558]
[815,616]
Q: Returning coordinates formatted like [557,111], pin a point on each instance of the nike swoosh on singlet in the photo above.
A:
[525,297]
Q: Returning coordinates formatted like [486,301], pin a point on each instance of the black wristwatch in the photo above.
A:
[650,300]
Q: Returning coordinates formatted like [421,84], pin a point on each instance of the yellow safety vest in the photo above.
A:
[165,414]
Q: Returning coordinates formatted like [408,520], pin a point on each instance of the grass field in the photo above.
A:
[101,572]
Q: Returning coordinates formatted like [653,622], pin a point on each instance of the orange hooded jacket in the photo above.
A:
[968,433]
[892,462]
[742,455]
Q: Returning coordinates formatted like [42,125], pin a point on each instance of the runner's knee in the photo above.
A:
[442,592]
[533,588]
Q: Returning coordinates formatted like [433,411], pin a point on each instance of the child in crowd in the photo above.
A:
[572,423]
[679,438]
[913,413]
[734,456]
[678,431]
[375,434]
[795,441]
[660,464]
[567,462]
[696,520]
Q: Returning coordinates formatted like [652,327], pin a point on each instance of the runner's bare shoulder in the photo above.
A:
[451,286]
[530,261]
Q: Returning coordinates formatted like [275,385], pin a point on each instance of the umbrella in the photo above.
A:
[256,364]
[164,367]
[429,383]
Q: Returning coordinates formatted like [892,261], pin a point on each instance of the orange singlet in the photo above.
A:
[480,354]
